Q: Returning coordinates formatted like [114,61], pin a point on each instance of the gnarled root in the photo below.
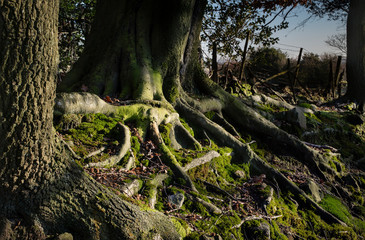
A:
[125,146]
[154,184]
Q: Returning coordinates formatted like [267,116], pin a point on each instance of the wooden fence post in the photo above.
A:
[214,63]
[242,70]
[337,76]
[330,79]
[291,82]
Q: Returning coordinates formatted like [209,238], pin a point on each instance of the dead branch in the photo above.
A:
[202,160]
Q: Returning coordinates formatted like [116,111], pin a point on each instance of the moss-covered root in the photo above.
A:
[202,160]
[180,137]
[258,165]
[152,191]
[125,146]
[169,159]
[248,156]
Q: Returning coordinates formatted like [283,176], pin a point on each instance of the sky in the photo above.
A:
[311,36]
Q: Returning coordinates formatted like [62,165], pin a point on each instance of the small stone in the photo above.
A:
[350,180]
[355,119]
[361,163]
[240,174]
[176,200]
[65,236]
[264,228]
[261,231]
[296,116]
[312,188]
[131,188]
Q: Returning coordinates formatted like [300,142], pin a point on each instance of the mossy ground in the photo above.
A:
[237,196]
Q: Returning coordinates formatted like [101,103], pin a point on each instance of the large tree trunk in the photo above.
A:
[356,52]
[136,49]
[42,191]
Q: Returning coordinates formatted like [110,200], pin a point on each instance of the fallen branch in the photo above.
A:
[95,152]
[321,146]
[202,160]
[217,188]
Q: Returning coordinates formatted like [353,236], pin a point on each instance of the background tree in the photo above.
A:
[75,18]
[353,12]
[338,41]
[267,61]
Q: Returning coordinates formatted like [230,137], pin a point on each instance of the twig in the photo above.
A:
[249,218]
[216,187]
[70,149]
[209,206]
[321,146]
[95,152]
[206,135]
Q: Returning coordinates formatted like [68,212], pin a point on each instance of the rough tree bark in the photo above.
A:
[356,53]
[43,192]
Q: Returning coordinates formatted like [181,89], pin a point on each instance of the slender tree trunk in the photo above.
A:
[42,191]
[215,63]
[356,52]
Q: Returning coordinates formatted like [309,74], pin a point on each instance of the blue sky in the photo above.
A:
[311,36]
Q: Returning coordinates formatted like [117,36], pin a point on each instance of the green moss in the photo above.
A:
[193,236]
[165,133]
[93,131]
[187,127]
[181,227]
[305,105]
[210,114]
[335,206]
[275,232]
[68,121]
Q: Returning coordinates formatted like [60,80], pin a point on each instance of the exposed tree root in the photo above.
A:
[218,189]
[125,146]
[130,163]
[154,184]
[268,100]
[248,156]
[247,119]
[234,109]
[168,158]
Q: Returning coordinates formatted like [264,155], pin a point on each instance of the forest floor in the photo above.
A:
[233,202]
